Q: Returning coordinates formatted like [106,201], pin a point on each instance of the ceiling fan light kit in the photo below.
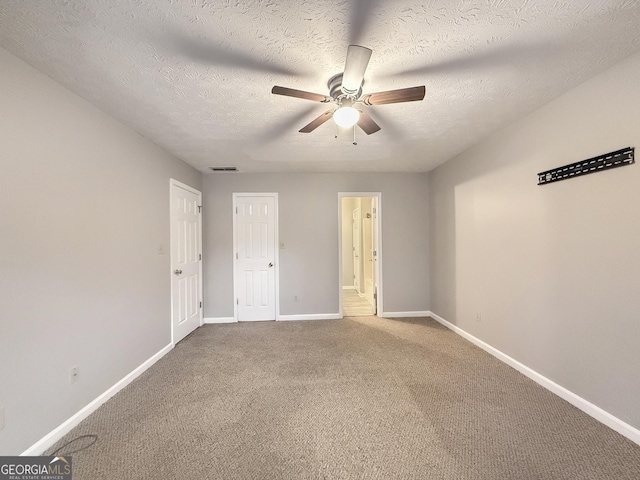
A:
[345,91]
[346,116]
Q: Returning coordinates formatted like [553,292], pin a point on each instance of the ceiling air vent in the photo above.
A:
[224,169]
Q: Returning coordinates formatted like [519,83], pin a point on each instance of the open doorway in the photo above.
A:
[360,280]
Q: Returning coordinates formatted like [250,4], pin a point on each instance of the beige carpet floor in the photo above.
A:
[360,398]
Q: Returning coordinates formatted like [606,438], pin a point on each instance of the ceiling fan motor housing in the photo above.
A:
[335,87]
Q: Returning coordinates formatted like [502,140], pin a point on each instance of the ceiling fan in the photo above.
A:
[345,92]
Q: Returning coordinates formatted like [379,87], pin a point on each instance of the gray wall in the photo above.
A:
[553,270]
[308,224]
[84,207]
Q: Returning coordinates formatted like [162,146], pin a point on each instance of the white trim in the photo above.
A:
[378,197]
[212,320]
[173,182]
[421,313]
[234,205]
[56,434]
[311,316]
[587,407]
[348,287]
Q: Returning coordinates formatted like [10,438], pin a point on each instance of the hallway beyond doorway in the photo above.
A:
[360,247]
[353,305]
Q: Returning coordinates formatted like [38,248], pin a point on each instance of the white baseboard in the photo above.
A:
[587,407]
[424,313]
[219,320]
[348,287]
[52,437]
[311,316]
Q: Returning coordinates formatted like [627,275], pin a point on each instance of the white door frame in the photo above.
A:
[235,196]
[175,183]
[377,273]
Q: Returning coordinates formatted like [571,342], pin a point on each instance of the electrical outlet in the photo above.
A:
[74,375]
[1,418]
[478,317]
[296,298]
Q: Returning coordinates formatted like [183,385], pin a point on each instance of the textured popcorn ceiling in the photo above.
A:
[195,77]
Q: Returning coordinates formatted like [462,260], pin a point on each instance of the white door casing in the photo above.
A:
[375,252]
[255,258]
[356,238]
[186,260]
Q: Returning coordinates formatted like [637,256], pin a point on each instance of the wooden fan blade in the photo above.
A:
[367,124]
[361,16]
[291,92]
[206,52]
[395,96]
[317,122]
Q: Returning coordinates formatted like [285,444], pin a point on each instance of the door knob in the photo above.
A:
[270,264]
[177,272]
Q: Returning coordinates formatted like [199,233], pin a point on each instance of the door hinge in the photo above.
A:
[199,256]
[199,208]
[200,304]
[236,255]
[236,210]
[237,302]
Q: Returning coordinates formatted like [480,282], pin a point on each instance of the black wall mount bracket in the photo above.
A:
[619,158]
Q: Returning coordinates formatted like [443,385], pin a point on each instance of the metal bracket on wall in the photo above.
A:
[619,158]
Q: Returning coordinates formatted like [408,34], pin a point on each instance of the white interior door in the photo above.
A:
[367,251]
[186,256]
[255,270]
[356,251]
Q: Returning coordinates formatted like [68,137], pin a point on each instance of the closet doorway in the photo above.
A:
[360,279]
